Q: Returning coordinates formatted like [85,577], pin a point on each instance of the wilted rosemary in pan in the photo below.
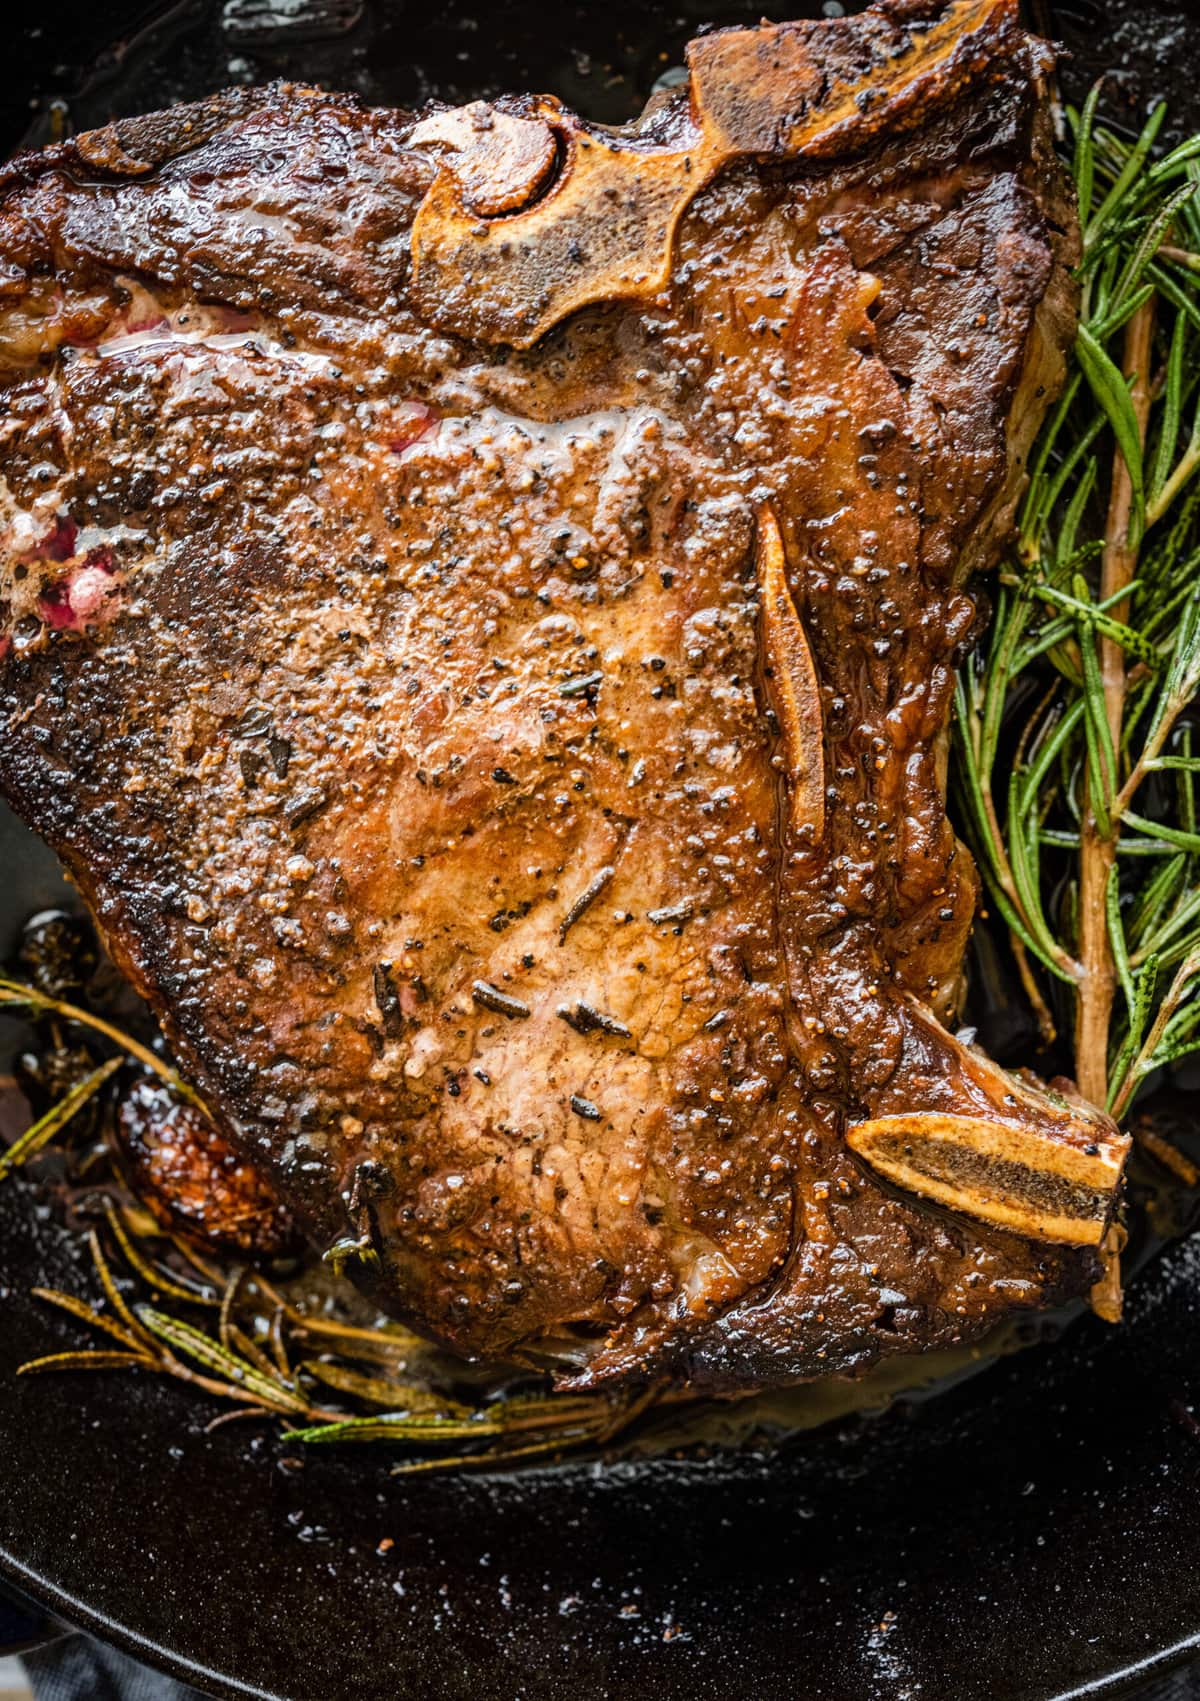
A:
[1086,832]
[235,1334]
[270,1358]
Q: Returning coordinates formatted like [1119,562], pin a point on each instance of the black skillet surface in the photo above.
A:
[1031,1534]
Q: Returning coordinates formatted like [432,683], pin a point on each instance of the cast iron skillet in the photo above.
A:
[1030,1534]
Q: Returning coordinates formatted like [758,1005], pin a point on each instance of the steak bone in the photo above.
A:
[998,1147]
[535,214]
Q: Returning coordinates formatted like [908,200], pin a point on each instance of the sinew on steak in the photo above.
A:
[480,603]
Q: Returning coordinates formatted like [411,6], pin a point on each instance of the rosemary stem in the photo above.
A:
[1188,463]
[1098,849]
[1181,256]
[1180,986]
[1151,753]
[1043,1014]
[12,993]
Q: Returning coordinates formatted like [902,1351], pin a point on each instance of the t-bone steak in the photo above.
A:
[479,604]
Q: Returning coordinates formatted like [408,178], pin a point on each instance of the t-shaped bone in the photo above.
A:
[533,214]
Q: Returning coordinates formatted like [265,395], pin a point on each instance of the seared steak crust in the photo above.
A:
[425,727]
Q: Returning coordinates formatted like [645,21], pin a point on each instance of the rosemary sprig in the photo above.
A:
[17,997]
[1083,696]
[235,1368]
[93,1359]
[249,1361]
[239,1372]
[250,1367]
[158,1280]
[55,1120]
[383,1391]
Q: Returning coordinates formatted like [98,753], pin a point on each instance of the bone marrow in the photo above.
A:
[998,1172]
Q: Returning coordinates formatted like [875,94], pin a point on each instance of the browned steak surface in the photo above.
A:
[515,776]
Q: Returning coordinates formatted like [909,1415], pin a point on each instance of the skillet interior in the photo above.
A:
[1029,1534]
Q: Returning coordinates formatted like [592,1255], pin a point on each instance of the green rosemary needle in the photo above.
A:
[1090,848]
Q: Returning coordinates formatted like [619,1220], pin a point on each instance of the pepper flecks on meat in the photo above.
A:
[585,900]
[389,638]
[586,1020]
[387,998]
[671,913]
[493,999]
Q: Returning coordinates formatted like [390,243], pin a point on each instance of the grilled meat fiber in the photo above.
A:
[480,600]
